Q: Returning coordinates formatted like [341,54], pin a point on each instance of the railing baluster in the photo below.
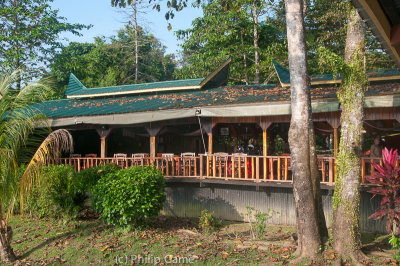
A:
[279,168]
[246,175]
[201,166]
[271,166]
[253,174]
[220,167]
[233,167]
[265,174]
[214,166]
[257,169]
[331,162]
[286,168]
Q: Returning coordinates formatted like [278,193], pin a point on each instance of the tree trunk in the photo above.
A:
[136,42]
[6,252]
[246,77]
[256,38]
[315,179]
[346,200]
[309,240]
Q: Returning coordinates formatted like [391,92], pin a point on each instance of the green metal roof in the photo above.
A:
[284,74]
[219,77]
[227,95]
[75,87]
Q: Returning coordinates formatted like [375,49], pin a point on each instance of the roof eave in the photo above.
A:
[376,19]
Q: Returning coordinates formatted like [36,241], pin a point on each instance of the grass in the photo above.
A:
[167,239]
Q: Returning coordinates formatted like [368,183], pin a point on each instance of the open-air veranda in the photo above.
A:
[203,129]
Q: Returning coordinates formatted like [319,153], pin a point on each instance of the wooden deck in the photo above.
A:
[246,168]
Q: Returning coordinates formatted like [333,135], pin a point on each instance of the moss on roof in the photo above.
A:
[227,95]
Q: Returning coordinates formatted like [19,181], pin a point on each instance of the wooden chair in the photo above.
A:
[221,159]
[188,161]
[242,156]
[167,161]
[120,159]
[138,158]
[140,155]
[91,155]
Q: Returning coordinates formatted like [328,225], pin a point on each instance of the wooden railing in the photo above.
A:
[247,168]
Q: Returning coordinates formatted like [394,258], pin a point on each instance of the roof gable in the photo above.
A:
[74,85]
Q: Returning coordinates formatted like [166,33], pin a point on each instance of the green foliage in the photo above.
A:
[258,221]
[54,196]
[86,179]
[227,29]
[17,122]
[112,62]
[395,242]
[279,145]
[29,34]
[129,196]
[207,221]
[83,182]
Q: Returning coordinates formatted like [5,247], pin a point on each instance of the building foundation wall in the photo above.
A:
[229,202]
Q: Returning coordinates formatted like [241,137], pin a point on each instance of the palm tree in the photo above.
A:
[17,121]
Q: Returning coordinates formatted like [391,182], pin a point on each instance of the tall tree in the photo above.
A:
[17,121]
[231,30]
[29,35]
[346,200]
[108,62]
[300,139]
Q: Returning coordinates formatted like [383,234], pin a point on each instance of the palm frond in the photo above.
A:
[52,147]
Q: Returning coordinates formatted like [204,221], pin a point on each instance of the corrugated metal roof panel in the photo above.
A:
[228,95]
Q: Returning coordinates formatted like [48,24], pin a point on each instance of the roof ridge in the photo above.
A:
[147,83]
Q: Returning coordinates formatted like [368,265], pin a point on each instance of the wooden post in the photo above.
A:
[335,142]
[210,144]
[152,146]
[201,166]
[103,133]
[103,147]
[153,131]
[265,143]
[265,152]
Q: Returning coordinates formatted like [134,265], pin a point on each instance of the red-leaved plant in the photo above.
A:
[387,179]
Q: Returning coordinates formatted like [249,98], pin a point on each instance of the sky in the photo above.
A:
[106,20]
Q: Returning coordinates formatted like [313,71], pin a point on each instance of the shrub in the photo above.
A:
[208,222]
[129,196]
[53,197]
[258,221]
[395,242]
[85,180]
[388,181]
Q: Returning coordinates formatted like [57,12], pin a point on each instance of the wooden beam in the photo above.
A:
[373,10]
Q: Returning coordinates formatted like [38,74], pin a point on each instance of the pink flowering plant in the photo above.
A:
[387,181]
